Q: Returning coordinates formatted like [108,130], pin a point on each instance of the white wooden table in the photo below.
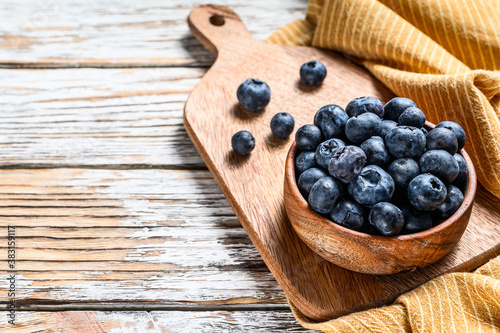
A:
[119,225]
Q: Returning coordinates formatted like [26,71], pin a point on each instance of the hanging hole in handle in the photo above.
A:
[217,20]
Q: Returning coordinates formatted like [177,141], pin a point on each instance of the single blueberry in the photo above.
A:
[363,127]
[426,192]
[253,94]
[412,116]
[403,170]
[243,142]
[387,125]
[304,161]
[308,137]
[308,178]
[415,220]
[451,204]
[349,214]
[373,185]
[463,172]
[324,195]
[326,150]
[387,218]
[331,120]
[396,106]
[442,138]
[346,164]
[455,128]
[365,104]
[405,141]
[441,164]
[376,152]
[312,73]
[282,125]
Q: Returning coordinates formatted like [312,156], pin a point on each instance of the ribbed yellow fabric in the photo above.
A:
[456,302]
[445,55]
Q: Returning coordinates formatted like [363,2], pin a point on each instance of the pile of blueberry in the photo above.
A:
[371,167]
[376,169]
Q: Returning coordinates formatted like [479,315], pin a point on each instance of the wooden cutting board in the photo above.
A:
[253,184]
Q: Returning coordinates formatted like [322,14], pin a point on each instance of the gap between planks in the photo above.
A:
[118,306]
[18,66]
[104,167]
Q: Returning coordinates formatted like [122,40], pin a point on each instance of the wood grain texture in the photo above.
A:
[128,237]
[253,184]
[154,321]
[105,118]
[371,254]
[145,33]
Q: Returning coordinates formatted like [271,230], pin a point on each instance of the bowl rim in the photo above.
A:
[469,195]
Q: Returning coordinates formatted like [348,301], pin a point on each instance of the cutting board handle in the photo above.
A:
[216,26]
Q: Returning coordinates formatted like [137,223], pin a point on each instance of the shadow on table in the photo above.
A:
[201,56]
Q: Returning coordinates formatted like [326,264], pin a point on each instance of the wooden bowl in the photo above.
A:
[371,254]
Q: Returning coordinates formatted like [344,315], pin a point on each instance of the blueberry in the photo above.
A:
[346,164]
[426,192]
[442,138]
[363,127]
[387,218]
[387,125]
[415,220]
[455,128]
[425,131]
[403,170]
[304,161]
[349,214]
[365,104]
[451,204]
[253,94]
[312,73]
[463,172]
[308,178]
[373,185]
[282,125]
[376,152]
[412,116]
[308,137]
[405,141]
[396,106]
[326,150]
[331,120]
[324,195]
[243,142]
[441,164]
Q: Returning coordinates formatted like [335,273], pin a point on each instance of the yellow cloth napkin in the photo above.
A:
[456,302]
[445,55]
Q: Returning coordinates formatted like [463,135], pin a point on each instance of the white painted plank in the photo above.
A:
[114,118]
[165,237]
[154,321]
[121,33]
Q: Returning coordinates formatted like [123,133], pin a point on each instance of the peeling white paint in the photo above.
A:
[23,286]
[140,32]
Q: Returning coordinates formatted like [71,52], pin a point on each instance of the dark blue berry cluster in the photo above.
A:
[375,168]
